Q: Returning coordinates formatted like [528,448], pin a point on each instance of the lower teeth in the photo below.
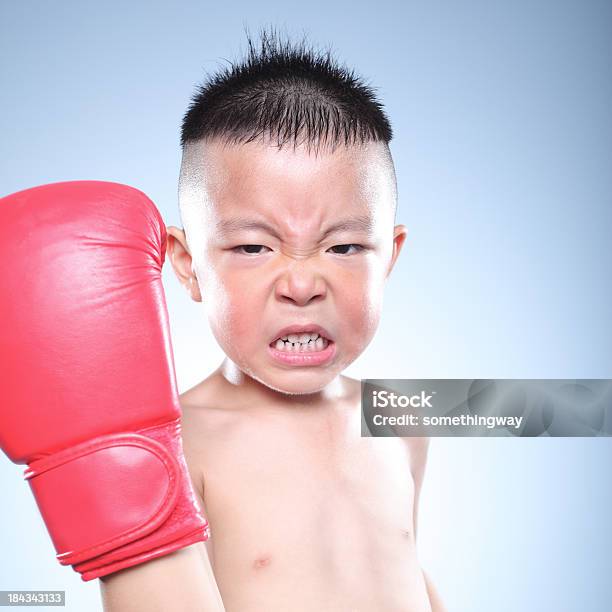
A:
[296,347]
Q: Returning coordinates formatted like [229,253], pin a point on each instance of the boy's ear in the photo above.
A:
[180,257]
[399,236]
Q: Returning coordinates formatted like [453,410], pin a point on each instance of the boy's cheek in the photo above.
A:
[238,305]
[223,282]
[363,312]
[224,307]
[231,311]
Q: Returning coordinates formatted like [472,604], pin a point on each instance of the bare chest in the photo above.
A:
[324,483]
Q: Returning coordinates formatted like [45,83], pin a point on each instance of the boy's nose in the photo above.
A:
[301,285]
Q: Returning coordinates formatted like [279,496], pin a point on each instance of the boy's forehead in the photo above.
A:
[241,177]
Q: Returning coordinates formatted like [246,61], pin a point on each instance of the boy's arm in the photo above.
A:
[434,597]
[181,581]
[418,453]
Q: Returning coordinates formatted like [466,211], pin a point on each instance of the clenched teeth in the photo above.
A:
[301,342]
[301,338]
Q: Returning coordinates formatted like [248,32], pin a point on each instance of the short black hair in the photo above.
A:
[288,92]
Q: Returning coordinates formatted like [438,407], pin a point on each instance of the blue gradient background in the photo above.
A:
[503,143]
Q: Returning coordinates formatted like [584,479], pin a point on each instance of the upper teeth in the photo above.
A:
[301,338]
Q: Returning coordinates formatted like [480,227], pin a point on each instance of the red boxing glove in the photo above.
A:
[90,398]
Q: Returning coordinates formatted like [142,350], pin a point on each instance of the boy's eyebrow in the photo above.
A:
[361,223]
[236,224]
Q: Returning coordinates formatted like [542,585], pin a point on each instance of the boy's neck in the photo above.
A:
[255,393]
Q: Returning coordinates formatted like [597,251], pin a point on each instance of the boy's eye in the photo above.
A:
[249,249]
[343,249]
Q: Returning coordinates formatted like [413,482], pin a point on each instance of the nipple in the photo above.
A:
[261,562]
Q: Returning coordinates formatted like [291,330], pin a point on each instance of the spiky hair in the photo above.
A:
[287,93]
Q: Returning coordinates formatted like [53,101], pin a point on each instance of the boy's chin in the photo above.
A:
[297,383]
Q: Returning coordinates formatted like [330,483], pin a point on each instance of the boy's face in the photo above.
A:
[295,269]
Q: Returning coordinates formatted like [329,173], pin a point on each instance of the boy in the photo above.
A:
[287,196]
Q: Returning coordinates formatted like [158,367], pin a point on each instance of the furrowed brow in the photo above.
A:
[237,224]
[352,224]
[362,223]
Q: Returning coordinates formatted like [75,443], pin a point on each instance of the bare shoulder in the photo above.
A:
[205,411]
[205,424]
